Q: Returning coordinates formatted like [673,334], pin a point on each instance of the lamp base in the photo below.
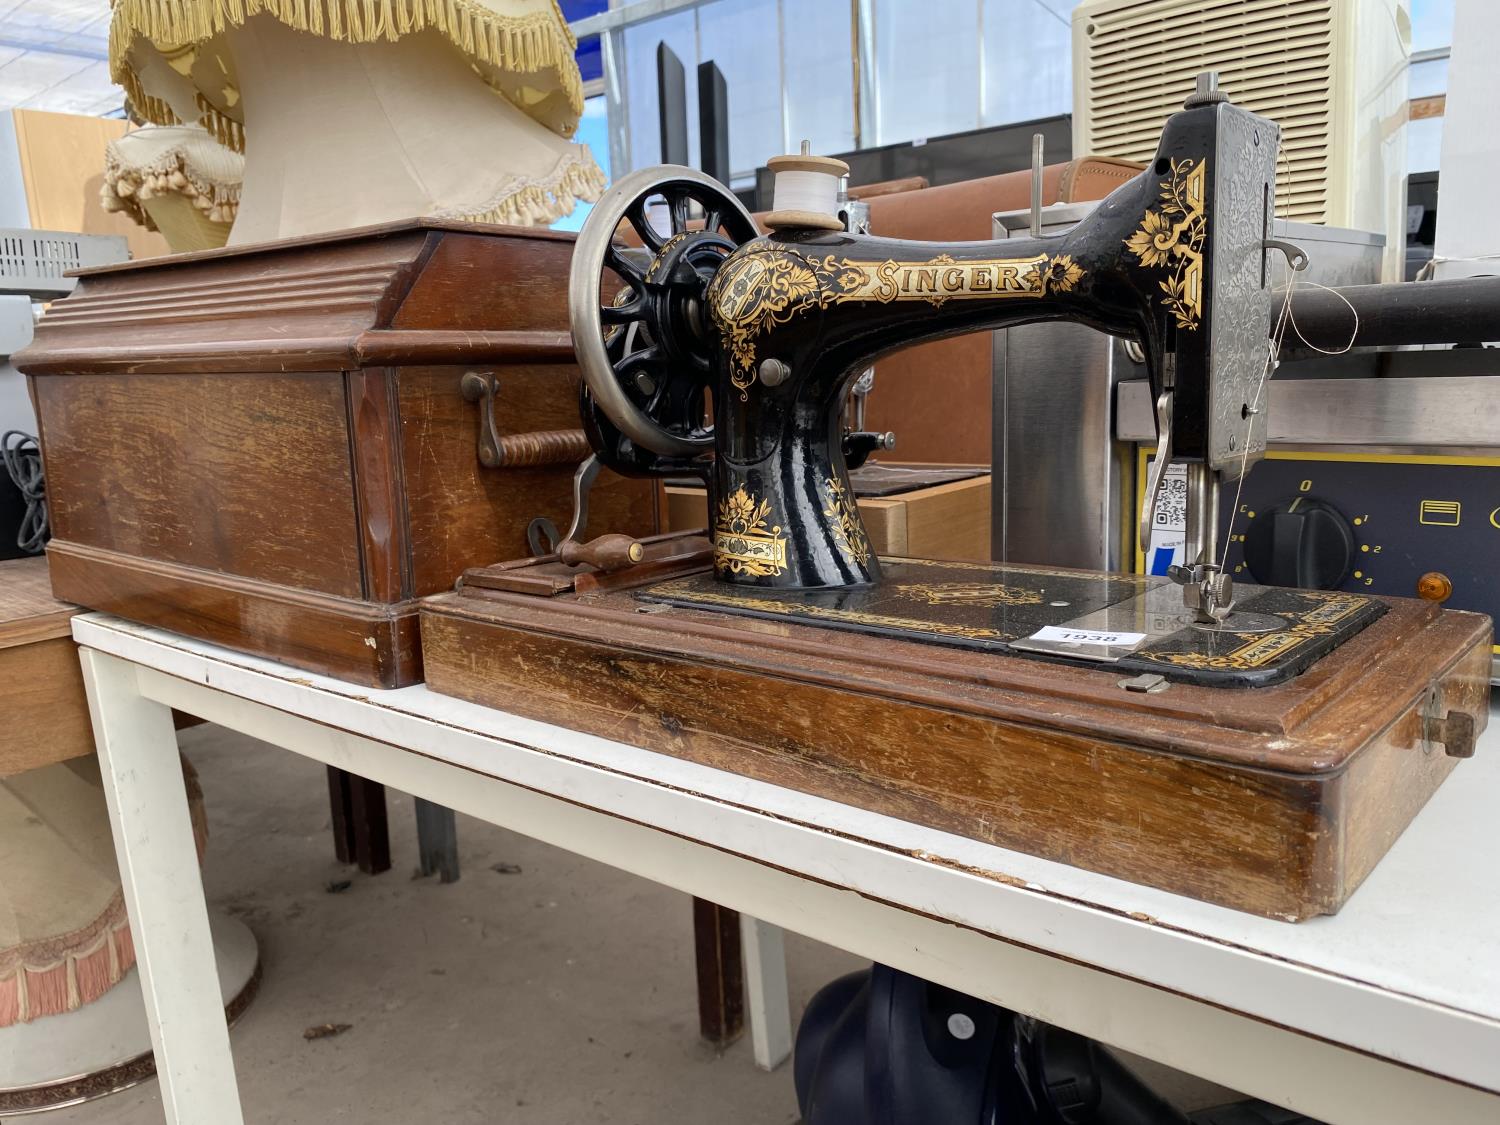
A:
[104,1047]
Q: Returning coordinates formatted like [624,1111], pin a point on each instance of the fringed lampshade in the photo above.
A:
[175,179]
[64,937]
[352,112]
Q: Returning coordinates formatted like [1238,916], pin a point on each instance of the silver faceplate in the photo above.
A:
[1240,319]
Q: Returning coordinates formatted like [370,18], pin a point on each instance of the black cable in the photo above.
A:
[23,461]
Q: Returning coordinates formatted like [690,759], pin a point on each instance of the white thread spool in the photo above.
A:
[806,192]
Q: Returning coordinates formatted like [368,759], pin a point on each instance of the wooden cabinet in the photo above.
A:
[267,446]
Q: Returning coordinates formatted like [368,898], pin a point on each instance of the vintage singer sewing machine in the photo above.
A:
[1260,750]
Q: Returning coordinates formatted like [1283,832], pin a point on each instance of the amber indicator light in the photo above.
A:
[1434,587]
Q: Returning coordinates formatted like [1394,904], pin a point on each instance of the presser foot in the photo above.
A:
[1206,590]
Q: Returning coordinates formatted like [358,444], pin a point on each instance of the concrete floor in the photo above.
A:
[558,995]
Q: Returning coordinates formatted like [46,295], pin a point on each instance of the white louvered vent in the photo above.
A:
[1274,57]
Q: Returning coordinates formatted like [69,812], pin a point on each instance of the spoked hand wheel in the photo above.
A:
[638,316]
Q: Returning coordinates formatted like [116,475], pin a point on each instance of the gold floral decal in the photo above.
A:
[766,285]
[936,299]
[1173,236]
[683,590]
[1261,649]
[984,595]
[661,255]
[848,528]
[1061,274]
[1112,580]
[743,544]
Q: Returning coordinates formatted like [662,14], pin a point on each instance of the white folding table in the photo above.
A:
[1387,1012]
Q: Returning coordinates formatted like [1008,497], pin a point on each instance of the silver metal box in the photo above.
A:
[33,262]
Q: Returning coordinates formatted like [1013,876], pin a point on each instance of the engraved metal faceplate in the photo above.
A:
[1240,317]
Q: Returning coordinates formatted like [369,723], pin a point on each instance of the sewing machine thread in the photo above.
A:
[806,193]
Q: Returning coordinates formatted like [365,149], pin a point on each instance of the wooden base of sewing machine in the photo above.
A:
[1276,800]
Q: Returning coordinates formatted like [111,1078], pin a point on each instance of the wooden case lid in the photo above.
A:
[420,291]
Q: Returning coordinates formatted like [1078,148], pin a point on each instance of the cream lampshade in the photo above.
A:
[175,179]
[353,112]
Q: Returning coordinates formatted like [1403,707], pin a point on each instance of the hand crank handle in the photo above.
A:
[508,451]
[608,552]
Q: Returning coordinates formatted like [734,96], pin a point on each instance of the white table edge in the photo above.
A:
[1435,1042]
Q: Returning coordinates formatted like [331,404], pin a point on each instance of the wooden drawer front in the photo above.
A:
[462,514]
[244,474]
[46,713]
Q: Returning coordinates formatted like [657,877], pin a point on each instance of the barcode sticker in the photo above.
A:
[1171,502]
[1061,635]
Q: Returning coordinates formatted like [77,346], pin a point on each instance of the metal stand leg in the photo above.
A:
[148,814]
[437,840]
[766,990]
[721,984]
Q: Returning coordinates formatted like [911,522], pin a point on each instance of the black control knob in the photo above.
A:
[1304,543]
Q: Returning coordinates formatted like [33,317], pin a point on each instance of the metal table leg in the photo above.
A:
[437,840]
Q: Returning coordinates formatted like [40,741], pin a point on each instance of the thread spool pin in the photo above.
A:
[1037,142]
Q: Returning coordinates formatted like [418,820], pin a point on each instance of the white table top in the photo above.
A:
[1409,970]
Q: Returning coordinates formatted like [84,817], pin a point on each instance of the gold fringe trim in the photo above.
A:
[127,189]
[540,202]
[226,130]
[516,44]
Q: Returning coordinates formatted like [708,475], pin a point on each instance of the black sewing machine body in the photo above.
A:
[775,328]
[778,326]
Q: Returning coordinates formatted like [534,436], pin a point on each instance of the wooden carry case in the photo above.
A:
[268,446]
[1276,800]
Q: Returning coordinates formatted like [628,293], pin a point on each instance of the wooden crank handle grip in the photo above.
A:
[608,552]
[517,451]
[542,447]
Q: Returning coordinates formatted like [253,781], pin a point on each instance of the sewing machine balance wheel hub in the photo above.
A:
[638,315]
